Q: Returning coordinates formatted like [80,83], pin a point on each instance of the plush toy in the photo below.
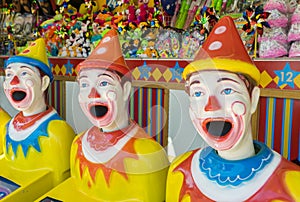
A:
[142,12]
[150,51]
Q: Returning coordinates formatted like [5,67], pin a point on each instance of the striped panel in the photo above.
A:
[56,97]
[279,125]
[147,109]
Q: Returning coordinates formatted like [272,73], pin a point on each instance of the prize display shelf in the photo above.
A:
[276,122]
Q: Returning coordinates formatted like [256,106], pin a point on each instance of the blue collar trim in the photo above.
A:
[227,172]
[32,140]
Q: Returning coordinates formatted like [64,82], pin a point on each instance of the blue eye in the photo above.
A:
[104,83]
[198,94]
[24,73]
[84,85]
[227,91]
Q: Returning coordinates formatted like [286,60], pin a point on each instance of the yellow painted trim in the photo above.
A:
[230,65]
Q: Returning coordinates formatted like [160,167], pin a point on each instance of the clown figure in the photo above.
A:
[36,142]
[222,84]
[114,160]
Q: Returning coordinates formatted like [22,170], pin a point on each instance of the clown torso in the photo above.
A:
[39,141]
[4,118]
[202,175]
[120,165]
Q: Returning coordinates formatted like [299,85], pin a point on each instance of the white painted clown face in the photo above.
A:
[221,107]
[102,97]
[24,87]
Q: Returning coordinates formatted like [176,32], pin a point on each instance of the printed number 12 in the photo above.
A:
[286,76]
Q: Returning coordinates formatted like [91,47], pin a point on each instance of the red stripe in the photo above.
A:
[295,131]
[154,114]
[144,107]
[162,118]
[278,125]
[136,105]
[262,120]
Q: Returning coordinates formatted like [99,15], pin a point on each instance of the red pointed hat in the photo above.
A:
[223,50]
[107,55]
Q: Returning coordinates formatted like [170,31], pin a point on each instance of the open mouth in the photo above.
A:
[98,111]
[218,128]
[18,95]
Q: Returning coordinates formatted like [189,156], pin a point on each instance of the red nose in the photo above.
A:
[94,94]
[15,81]
[212,104]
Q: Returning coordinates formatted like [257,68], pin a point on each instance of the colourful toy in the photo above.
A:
[183,12]
[191,13]
[176,13]
[222,84]
[114,160]
[37,141]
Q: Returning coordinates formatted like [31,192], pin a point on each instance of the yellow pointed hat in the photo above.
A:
[107,55]
[35,54]
[223,50]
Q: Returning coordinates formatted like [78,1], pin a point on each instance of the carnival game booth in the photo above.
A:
[275,123]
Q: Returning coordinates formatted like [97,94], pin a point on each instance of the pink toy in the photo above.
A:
[276,33]
[272,49]
[295,49]
[294,33]
[279,5]
[296,15]
[277,19]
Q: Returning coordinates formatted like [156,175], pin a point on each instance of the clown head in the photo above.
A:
[222,86]
[103,97]
[105,85]
[221,105]
[27,76]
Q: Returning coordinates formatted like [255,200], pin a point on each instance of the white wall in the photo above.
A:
[75,116]
[4,103]
[182,133]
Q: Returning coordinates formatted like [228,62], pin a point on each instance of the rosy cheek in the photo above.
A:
[111,95]
[5,84]
[29,83]
[238,108]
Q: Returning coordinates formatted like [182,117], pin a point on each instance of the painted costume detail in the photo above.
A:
[233,172]
[250,179]
[31,128]
[97,140]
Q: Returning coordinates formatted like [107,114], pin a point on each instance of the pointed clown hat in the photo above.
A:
[223,50]
[35,54]
[107,55]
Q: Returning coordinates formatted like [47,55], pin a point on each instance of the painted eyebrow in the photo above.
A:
[195,82]
[81,77]
[227,79]
[105,75]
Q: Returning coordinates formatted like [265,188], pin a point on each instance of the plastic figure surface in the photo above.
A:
[4,118]
[114,160]
[222,83]
[37,141]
